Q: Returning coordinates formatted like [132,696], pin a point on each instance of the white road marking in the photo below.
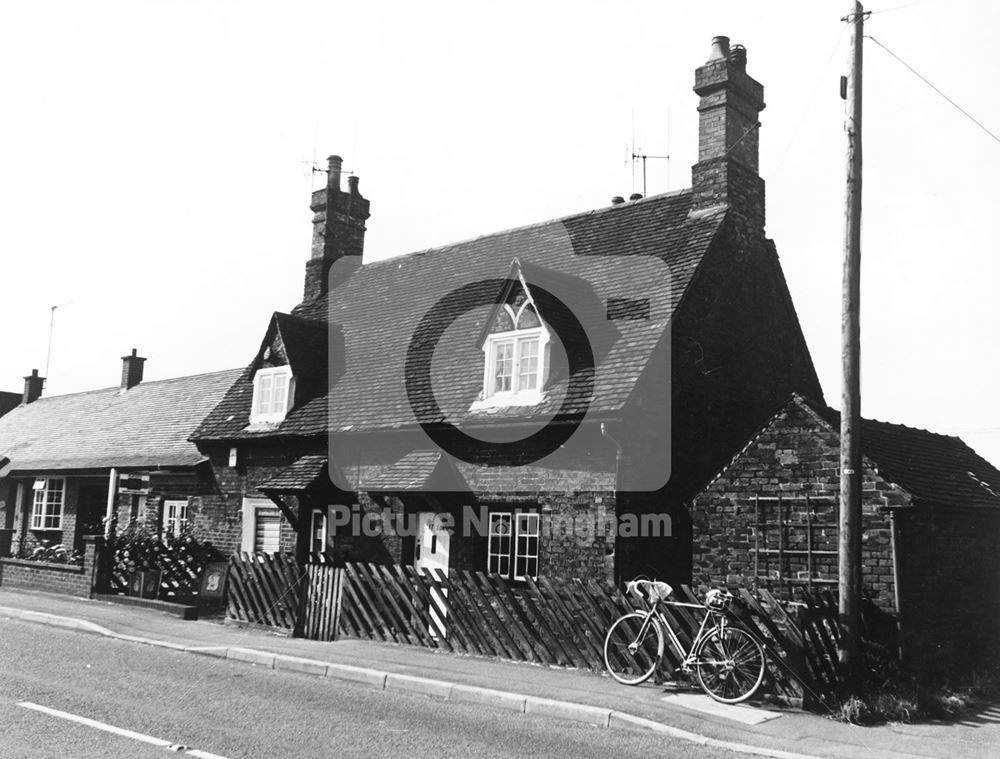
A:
[748,715]
[159,742]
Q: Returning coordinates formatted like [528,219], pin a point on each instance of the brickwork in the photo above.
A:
[796,458]
[51,578]
[219,515]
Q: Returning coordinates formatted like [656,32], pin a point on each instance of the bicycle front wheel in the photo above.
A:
[730,664]
[633,648]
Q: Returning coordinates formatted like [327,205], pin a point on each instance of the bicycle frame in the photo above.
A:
[710,621]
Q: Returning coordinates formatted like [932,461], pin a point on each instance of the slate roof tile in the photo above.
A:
[936,468]
[145,427]
[377,310]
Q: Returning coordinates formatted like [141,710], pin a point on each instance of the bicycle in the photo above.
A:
[727,660]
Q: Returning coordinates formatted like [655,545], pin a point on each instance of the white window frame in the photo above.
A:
[516,396]
[274,411]
[175,516]
[520,526]
[318,531]
[251,506]
[43,517]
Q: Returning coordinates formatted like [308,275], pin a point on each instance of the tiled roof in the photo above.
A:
[378,309]
[936,468]
[9,401]
[146,426]
[299,475]
[417,470]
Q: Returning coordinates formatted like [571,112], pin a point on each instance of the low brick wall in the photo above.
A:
[69,579]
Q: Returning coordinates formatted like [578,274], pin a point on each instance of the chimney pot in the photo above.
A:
[335,164]
[32,387]
[352,184]
[617,200]
[738,55]
[720,49]
[131,370]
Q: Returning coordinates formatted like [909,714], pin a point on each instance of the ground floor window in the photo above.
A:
[47,506]
[175,517]
[512,551]
[261,526]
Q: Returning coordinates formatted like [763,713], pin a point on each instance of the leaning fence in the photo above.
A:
[545,621]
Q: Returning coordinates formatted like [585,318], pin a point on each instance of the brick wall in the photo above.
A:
[51,578]
[219,515]
[796,457]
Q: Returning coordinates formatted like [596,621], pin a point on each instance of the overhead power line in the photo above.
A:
[928,83]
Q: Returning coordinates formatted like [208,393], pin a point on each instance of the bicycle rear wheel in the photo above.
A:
[730,664]
[633,648]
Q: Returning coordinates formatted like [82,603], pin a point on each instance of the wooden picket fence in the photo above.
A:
[264,589]
[553,622]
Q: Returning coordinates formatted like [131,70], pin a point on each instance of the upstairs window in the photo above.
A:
[47,506]
[516,353]
[272,394]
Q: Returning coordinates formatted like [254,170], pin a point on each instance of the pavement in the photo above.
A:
[586,697]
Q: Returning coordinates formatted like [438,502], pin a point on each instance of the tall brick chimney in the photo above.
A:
[728,134]
[33,385]
[338,227]
[131,370]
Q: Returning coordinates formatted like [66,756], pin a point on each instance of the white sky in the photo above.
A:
[154,166]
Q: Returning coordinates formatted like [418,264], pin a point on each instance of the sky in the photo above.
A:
[155,166]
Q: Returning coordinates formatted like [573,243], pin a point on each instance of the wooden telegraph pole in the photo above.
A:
[849,583]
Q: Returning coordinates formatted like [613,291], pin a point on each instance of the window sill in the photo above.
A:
[508,400]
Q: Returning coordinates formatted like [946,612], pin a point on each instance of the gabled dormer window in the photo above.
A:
[273,390]
[516,352]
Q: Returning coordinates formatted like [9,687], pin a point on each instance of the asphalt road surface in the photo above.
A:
[215,707]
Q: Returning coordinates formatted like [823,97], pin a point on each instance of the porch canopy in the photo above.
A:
[308,479]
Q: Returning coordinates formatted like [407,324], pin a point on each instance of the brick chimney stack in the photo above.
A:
[131,370]
[728,135]
[338,228]
[33,385]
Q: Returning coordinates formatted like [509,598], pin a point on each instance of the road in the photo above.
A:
[236,710]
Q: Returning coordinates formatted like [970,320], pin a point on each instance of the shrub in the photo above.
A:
[180,558]
[52,553]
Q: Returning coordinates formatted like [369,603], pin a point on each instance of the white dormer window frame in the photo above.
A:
[273,392]
[516,363]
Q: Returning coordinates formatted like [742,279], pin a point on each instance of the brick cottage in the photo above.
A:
[698,342]
[931,525]
[67,461]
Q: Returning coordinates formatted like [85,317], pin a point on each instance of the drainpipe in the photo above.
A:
[110,510]
[620,488]
[618,454]
[894,540]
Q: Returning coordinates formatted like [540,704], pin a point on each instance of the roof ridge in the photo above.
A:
[534,225]
[220,372]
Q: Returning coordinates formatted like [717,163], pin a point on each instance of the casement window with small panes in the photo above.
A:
[516,351]
[512,551]
[272,394]
[175,517]
[47,504]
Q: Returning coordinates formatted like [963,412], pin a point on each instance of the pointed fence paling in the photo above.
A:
[264,589]
[544,621]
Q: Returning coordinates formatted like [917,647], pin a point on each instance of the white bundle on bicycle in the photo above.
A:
[652,591]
